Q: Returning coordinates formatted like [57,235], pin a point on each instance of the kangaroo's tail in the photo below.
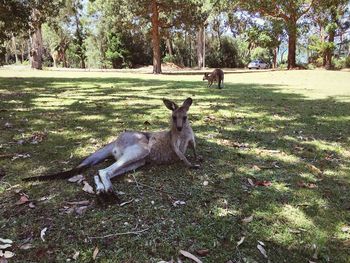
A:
[90,161]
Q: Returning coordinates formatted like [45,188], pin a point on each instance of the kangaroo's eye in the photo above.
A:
[174,118]
[184,118]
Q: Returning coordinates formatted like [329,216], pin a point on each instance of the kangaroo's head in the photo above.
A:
[206,75]
[179,114]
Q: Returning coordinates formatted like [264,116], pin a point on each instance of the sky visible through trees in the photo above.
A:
[190,33]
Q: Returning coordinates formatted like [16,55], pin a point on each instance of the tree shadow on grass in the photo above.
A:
[244,131]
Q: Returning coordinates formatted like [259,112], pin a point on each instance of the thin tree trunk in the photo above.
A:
[200,46]
[155,38]
[329,52]
[292,43]
[14,46]
[37,49]
[275,52]
[169,45]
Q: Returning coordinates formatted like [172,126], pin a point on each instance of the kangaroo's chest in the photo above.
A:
[161,150]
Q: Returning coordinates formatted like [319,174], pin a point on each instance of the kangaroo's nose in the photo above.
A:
[179,128]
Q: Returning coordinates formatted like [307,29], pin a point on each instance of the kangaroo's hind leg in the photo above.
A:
[132,157]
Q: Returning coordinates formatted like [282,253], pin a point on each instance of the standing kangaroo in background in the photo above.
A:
[134,149]
[216,75]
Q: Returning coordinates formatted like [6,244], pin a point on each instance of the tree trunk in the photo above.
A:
[275,52]
[155,38]
[329,52]
[292,44]
[200,47]
[169,45]
[37,49]
[14,46]
[82,62]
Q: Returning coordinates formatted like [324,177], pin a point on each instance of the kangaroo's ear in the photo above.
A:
[187,103]
[170,104]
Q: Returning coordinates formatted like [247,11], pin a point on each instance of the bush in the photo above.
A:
[261,54]
[169,59]
[340,63]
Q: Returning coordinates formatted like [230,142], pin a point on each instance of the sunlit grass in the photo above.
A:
[288,128]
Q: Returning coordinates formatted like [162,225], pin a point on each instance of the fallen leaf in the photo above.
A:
[261,243]
[205,183]
[24,199]
[5,246]
[88,188]
[190,256]
[262,250]
[127,202]
[26,246]
[250,181]
[240,242]
[256,168]
[179,202]
[76,255]
[345,229]
[77,179]
[94,255]
[8,241]
[314,169]
[31,205]
[263,183]
[248,219]
[306,185]
[202,252]
[6,254]
[42,233]
[80,210]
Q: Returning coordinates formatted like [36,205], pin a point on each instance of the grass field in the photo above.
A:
[276,167]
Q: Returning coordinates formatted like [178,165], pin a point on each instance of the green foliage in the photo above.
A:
[169,58]
[340,63]
[115,52]
[224,54]
[261,54]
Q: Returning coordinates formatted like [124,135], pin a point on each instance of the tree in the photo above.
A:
[288,11]
[41,10]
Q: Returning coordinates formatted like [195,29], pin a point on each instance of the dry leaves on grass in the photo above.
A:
[248,219]
[94,255]
[77,179]
[190,256]
[202,252]
[22,200]
[259,183]
[43,233]
[306,185]
[261,248]
[240,242]
[88,188]
[314,170]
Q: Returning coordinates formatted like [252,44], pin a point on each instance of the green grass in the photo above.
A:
[272,126]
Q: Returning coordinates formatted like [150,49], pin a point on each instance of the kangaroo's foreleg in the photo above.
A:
[183,158]
[131,158]
[192,145]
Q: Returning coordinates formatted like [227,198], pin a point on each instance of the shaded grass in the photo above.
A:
[266,127]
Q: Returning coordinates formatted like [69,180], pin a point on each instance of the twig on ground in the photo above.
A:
[120,234]
[137,185]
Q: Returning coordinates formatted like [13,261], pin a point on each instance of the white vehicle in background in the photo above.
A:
[258,64]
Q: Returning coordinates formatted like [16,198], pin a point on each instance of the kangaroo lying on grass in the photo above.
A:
[134,149]
[217,75]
